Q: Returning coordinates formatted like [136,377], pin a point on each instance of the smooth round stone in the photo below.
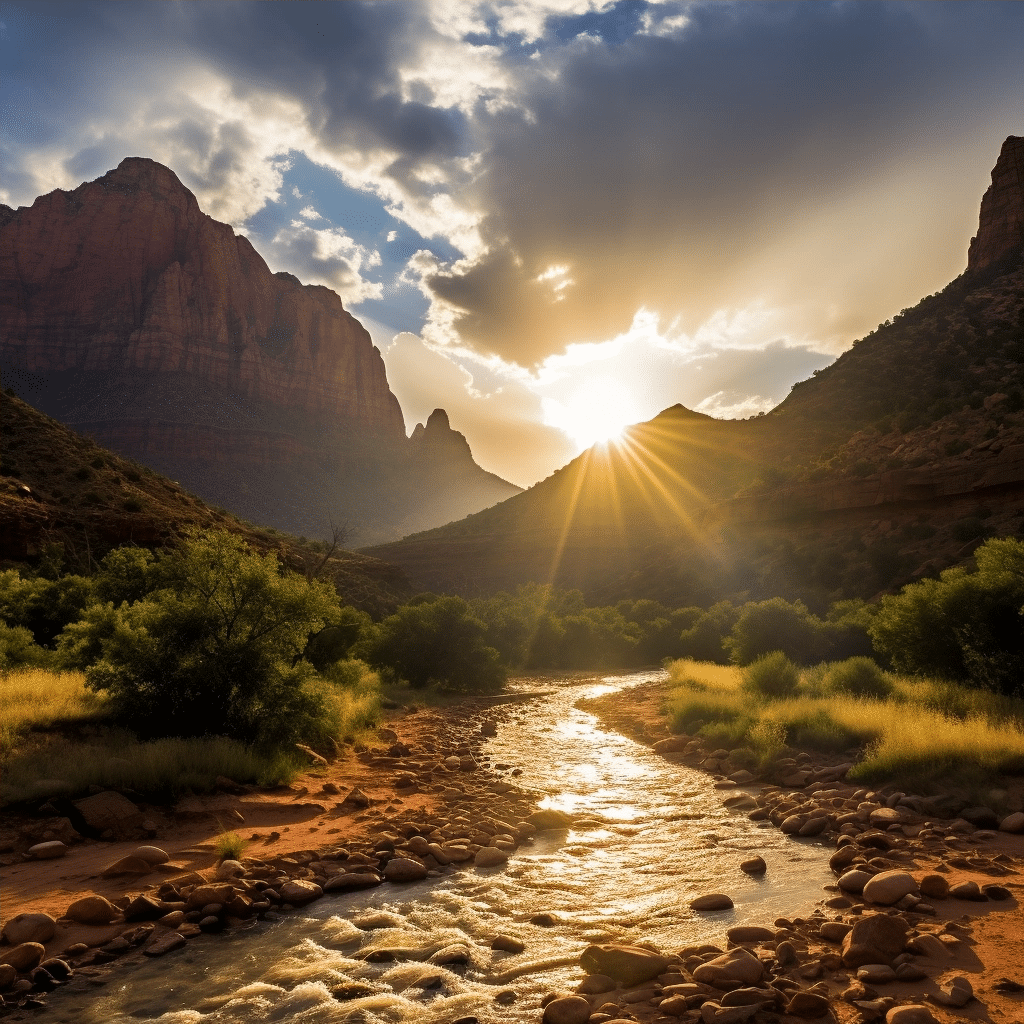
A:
[29,928]
[48,851]
[876,974]
[712,901]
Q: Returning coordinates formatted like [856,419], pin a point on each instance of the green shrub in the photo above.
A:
[215,651]
[820,731]
[437,641]
[726,734]
[772,675]
[230,846]
[860,677]
[18,649]
[776,625]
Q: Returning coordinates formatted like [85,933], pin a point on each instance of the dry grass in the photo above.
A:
[923,732]
[36,698]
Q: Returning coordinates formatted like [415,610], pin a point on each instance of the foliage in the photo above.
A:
[775,625]
[772,675]
[704,640]
[963,626]
[42,606]
[37,698]
[229,846]
[859,677]
[18,649]
[215,650]
[439,641]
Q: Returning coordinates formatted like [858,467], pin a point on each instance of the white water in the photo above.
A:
[663,838]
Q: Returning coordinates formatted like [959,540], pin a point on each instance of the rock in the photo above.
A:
[889,887]
[128,866]
[628,965]
[807,1004]
[144,908]
[8,976]
[671,745]
[714,1013]
[712,901]
[1013,823]
[956,994]
[969,890]
[735,965]
[981,817]
[298,892]
[210,892]
[509,944]
[876,974]
[48,851]
[928,945]
[910,972]
[24,956]
[749,933]
[742,777]
[163,943]
[883,817]
[996,892]
[405,869]
[834,931]
[550,818]
[228,869]
[29,928]
[875,939]
[357,798]
[912,1014]
[595,984]
[110,811]
[935,887]
[92,909]
[567,1010]
[843,858]
[352,880]
[854,880]
[1000,227]
[489,857]
[754,866]
[813,826]
[151,855]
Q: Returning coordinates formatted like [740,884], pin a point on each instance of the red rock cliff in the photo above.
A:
[1001,225]
[127,274]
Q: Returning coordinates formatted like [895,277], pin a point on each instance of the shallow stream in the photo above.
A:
[660,836]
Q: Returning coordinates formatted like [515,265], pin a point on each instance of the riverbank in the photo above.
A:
[421,801]
[951,939]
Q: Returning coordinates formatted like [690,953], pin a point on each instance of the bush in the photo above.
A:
[860,677]
[775,625]
[820,731]
[215,651]
[703,641]
[18,649]
[772,675]
[438,641]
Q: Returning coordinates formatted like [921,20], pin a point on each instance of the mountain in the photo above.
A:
[131,315]
[892,463]
[60,491]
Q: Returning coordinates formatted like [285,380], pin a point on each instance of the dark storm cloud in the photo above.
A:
[659,171]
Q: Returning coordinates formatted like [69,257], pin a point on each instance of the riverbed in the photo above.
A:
[648,836]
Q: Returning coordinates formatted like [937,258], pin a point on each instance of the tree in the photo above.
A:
[438,641]
[215,650]
[775,625]
[964,625]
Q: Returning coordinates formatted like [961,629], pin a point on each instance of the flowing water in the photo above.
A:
[656,835]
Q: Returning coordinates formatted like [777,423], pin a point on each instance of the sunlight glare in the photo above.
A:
[597,412]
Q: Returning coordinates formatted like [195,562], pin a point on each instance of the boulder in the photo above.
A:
[92,909]
[807,1004]
[164,943]
[151,854]
[8,976]
[876,939]
[671,745]
[144,908]
[210,892]
[29,928]
[129,865]
[489,857]
[889,887]
[712,901]
[737,965]
[754,866]
[228,869]
[981,817]
[110,811]
[712,1012]
[24,956]
[1012,823]
[748,933]
[956,994]
[628,965]
[550,817]
[48,851]
[299,891]
[405,869]
[352,880]
[912,1014]
[935,887]
[854,880]
[567,1010]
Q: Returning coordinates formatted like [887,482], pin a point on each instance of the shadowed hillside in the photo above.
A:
[892,463]
[64,497]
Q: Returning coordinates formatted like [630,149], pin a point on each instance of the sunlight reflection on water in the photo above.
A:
[660,836]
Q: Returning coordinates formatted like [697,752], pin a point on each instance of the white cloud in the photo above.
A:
[308,213]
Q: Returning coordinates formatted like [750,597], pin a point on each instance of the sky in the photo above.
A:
[554,217]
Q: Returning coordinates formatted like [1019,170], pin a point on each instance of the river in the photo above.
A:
[657,835]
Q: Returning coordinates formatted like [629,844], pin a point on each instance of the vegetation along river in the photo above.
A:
[653,835]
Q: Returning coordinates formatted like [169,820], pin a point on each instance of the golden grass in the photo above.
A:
[924,731]
[37,698]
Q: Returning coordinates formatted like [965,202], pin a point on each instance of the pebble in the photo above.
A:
[712,901]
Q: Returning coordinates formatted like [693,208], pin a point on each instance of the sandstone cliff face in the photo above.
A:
[129,314]
[127,274]
[1001,225]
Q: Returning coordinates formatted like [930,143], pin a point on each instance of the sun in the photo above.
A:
[596,412]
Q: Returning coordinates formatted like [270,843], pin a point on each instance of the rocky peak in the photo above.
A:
[437,438]
[1001,223]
